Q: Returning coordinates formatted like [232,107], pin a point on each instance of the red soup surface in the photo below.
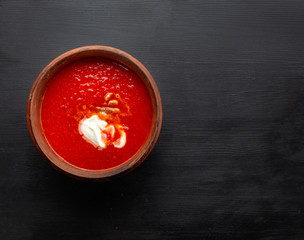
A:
[96,113]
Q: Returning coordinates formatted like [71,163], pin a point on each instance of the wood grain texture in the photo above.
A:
[229,163]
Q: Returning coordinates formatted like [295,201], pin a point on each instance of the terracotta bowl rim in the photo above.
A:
[58,162]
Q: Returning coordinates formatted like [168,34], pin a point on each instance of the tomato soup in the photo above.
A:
[96,113]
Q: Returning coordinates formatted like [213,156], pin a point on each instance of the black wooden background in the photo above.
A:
[229,163]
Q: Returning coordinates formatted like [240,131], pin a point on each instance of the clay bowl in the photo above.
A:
[35,102]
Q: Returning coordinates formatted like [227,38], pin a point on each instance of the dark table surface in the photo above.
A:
[229,163]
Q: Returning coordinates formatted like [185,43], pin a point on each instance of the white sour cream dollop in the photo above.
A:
[95,131]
